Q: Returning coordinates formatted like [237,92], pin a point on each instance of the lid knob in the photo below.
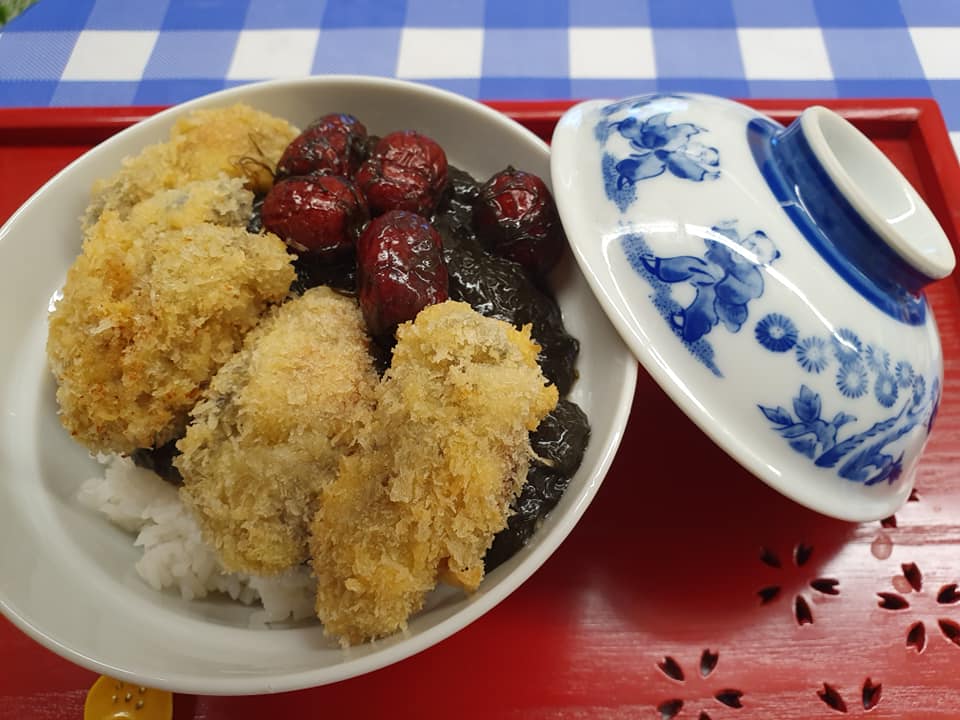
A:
[863,211]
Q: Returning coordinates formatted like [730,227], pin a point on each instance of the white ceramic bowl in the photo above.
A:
[770,280]
[68,576]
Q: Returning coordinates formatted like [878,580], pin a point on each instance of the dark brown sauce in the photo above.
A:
[160,460]
[500,288]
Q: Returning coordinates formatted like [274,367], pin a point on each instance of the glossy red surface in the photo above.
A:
[692,592]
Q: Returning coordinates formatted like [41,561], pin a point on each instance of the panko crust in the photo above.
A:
[237,141]
[152,307]
[168,281]
[447,452]
[270,431]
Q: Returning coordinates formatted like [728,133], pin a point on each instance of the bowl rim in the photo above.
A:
[482,601]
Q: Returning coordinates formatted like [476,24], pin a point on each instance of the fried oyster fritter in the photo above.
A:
[445,455]
[157,301]
[272,427]
[236,141]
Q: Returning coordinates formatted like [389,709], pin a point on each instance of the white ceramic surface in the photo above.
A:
[768,280]
[68,576]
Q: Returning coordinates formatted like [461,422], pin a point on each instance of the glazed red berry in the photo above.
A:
[405,171]
[400,270]
[318,214]
[516,217]
[335,143]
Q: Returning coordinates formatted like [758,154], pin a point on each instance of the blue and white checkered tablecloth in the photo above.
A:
[122,52]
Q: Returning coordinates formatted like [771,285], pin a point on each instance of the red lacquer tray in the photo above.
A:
[687,591]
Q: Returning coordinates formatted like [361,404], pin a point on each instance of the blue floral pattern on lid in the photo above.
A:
[776,333]
[657,146]
[852,379]
[812,354]
[861,370]
[725,279]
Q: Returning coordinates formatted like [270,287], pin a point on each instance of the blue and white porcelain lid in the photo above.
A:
[769,280]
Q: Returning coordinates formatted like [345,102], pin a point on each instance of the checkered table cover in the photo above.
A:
[148,52]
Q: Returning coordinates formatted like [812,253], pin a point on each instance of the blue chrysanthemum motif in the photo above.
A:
[852,379]
[862,450]
[885,389]
[846,346]
[776,332]
[919,388]
[813,354]
[904,374]
[877,359]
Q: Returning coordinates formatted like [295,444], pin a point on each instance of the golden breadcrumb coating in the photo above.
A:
[271,429]
[221,201]
[236,141]
[152,307]
[446,454]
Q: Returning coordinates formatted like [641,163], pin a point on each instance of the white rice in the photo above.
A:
[174,552]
